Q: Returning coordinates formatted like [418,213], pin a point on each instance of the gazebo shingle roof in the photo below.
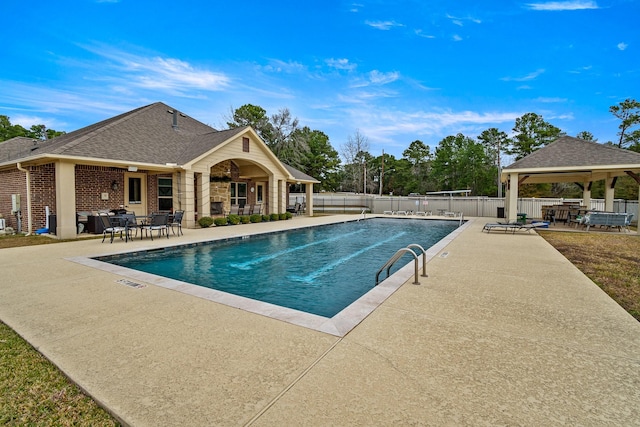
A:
[567,151]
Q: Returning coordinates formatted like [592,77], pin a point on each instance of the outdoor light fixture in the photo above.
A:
[132,169]
[114,185]
[253,189]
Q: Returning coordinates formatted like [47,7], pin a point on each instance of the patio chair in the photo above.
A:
[111,225]
[235,209]
[130,222]
[177,222]
[158,222]
[257,209]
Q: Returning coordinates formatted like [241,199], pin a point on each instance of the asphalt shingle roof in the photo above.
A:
[567,151]
[144,135]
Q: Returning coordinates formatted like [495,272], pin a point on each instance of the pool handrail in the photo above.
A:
[399,253]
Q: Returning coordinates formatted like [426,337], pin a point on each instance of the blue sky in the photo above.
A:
[395,71]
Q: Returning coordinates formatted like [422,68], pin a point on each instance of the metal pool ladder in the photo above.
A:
[399,255]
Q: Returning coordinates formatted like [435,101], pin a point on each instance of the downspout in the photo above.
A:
[28,176]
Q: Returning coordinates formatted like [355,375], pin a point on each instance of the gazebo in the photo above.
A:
[569,159]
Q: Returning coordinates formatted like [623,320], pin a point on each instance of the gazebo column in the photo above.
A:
[309,194]
[586,195]
[609,190]
[512,198]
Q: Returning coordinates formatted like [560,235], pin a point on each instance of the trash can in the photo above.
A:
[500,213]
[522,218]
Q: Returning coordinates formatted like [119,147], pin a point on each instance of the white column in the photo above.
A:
[66,227]
[512,198]
[608,194]
[309,199]
[586,195]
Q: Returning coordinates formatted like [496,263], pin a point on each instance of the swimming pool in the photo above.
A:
[317,270]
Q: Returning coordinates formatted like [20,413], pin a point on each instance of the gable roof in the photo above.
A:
[569,152]
[146,135]
[17,147]
[299,175]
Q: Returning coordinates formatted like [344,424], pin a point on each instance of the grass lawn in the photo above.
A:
[611,260]
[34,392]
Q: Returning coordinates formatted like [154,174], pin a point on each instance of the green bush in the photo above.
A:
[245,219]
[283,216]
[255,218]
[274,217]
[266,218]
[234,219]
[221,221]
[205,221]
[289,215]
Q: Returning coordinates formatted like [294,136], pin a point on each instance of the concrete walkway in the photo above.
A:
[504,331]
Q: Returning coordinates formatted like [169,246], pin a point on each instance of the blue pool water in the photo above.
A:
[319,270]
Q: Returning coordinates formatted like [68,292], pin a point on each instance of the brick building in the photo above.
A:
[153,158]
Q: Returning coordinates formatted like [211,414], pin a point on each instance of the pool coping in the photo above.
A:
[339,325]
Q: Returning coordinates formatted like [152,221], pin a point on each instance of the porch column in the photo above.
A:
[274,194]
[586,194]
[187,196]
[608,193]
[512,198]
[309,199]
[66,227]
[204,194]
[282,196]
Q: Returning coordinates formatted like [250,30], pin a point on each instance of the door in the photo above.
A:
[135,193]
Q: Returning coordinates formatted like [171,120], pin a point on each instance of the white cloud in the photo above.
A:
[379,78]
[550,100]
[279,66]
[420,33]
[456,38]
[564,5]
[622,46]
[456,20]
[530,76]
[341,64]
[383,25]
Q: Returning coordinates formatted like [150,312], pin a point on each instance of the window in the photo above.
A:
[239,193]
[165,194]
[135,191]
[245,144]
[260,193]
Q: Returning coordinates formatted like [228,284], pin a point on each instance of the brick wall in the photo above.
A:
[13,182]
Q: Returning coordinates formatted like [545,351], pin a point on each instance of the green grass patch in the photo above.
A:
[34,392]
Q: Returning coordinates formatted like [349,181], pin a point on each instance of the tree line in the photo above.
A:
[458,162]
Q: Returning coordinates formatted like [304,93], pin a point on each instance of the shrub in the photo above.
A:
[255,218]
[283,216]
[234,219]
[289,215]
[221,221]
[274,217]
[266,218]
[205,221]
[245,219]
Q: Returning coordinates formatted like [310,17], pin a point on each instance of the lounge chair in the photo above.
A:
[512,226]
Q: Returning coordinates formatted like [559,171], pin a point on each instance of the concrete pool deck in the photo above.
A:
[504,331]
